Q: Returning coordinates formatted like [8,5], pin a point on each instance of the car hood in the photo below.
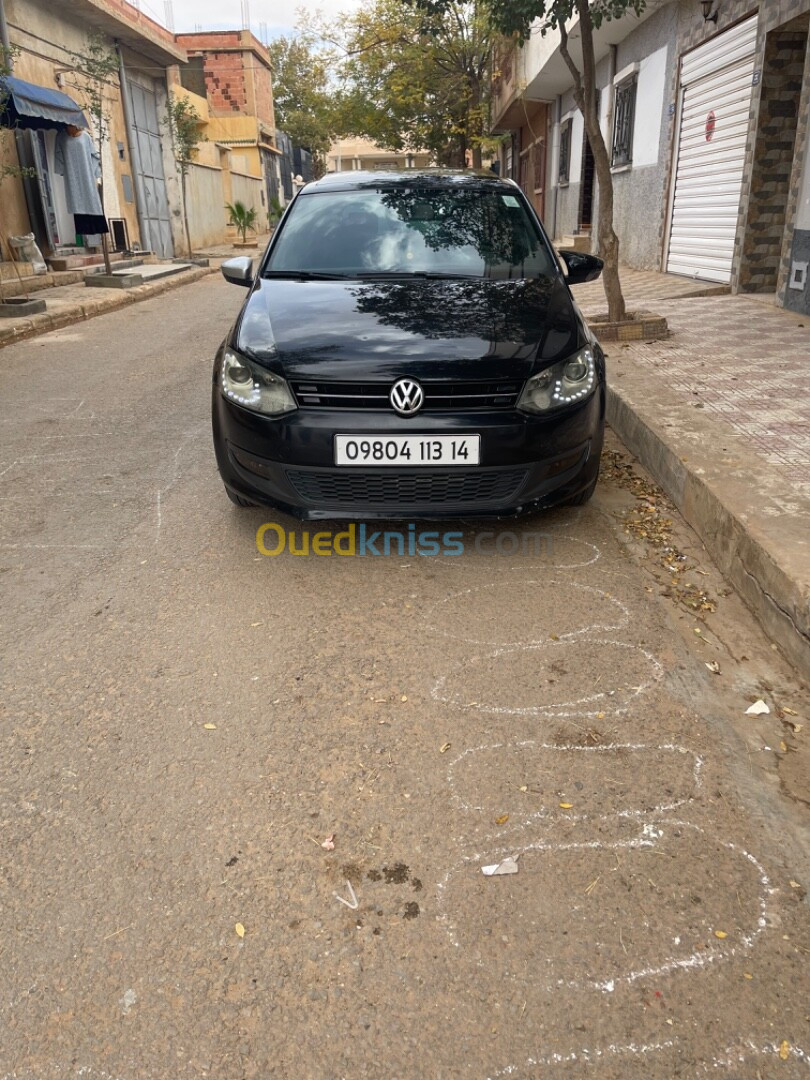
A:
[466,328]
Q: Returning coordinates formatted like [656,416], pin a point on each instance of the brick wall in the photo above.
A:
[781,84]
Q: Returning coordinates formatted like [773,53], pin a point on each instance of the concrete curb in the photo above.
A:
[87,309]
[756,533]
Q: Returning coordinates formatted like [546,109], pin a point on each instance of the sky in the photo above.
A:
[280,16]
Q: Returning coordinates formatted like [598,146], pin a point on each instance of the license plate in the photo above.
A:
[405,451]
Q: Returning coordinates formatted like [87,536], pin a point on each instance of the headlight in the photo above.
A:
[560,385]
[254,388]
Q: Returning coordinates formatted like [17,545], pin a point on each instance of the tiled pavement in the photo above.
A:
[742,360]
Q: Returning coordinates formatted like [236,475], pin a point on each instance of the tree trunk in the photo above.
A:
[585,98]
[105,248]
[477,159]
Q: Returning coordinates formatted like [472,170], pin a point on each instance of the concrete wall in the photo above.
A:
[206,206]
[248,190]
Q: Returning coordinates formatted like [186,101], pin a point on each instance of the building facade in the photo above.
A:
[141,191]
[231,70]
[705,120]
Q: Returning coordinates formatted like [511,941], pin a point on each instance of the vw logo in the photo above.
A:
[407,397]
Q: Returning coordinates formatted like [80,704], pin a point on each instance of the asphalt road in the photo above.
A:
[186,721]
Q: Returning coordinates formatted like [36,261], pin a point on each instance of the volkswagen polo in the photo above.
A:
[409,347]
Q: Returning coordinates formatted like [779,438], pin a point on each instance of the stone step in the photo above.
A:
[577,242]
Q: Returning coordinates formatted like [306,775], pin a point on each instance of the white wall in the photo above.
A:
[652,77]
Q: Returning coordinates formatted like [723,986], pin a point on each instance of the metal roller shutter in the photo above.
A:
[716,81]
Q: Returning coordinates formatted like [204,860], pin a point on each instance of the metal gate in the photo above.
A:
[149,175]
[717,84]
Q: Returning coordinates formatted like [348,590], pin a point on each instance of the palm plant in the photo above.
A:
[242,218]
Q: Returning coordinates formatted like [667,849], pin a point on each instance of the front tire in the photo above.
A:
[237,500]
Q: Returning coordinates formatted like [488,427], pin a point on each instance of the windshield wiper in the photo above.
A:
[303,275]
[449,276]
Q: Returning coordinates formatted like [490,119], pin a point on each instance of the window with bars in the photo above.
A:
[623,122]
[565,151]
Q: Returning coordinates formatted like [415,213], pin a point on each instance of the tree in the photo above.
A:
[183,122]
[418,78]
[303,100]
[96,71]
[515,18]
[243,218]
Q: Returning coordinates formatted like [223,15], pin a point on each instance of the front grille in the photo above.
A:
[439,489]
[439,396]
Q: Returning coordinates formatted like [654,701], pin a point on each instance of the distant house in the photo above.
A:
[350,154]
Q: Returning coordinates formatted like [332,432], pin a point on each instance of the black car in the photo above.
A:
[409,348]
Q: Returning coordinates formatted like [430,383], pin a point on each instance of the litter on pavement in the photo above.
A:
[508,866]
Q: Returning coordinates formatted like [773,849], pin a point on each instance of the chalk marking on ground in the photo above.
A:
[602,627]
[553,709]
[603,748]
[730,1057]
[647,840]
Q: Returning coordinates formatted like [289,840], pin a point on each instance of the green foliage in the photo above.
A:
[183,122]
[303,98]
[515,17]
[6,66]
[243,218]
[418,77]
[274,212]
[96,72]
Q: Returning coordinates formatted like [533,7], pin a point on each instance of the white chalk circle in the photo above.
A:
[635,1056]
[527,780]
[515,613]
[553,926]
[530,548]
[575,677]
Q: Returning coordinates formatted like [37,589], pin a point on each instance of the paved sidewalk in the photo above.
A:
[719,414]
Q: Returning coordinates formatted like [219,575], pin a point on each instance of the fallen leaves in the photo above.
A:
[566,806]
[713,667]
[210,727]
[784,1050]
[502,820]
[444,747]
[720,934]
[240,930]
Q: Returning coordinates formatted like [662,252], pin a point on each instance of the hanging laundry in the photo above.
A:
[78,161]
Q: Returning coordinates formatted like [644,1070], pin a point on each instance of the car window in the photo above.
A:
[453,231]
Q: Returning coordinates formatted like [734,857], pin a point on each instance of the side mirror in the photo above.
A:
[238,271]
[581,267]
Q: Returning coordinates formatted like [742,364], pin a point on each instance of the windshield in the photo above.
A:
[447,231]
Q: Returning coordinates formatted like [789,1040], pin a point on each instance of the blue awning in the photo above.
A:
[26,105]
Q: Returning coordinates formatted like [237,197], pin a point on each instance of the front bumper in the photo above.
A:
[526,463]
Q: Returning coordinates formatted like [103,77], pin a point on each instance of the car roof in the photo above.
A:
[353,180]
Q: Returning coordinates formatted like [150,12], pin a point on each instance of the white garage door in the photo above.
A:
[716,81]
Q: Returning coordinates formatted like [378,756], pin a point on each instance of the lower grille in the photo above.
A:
[405,489]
